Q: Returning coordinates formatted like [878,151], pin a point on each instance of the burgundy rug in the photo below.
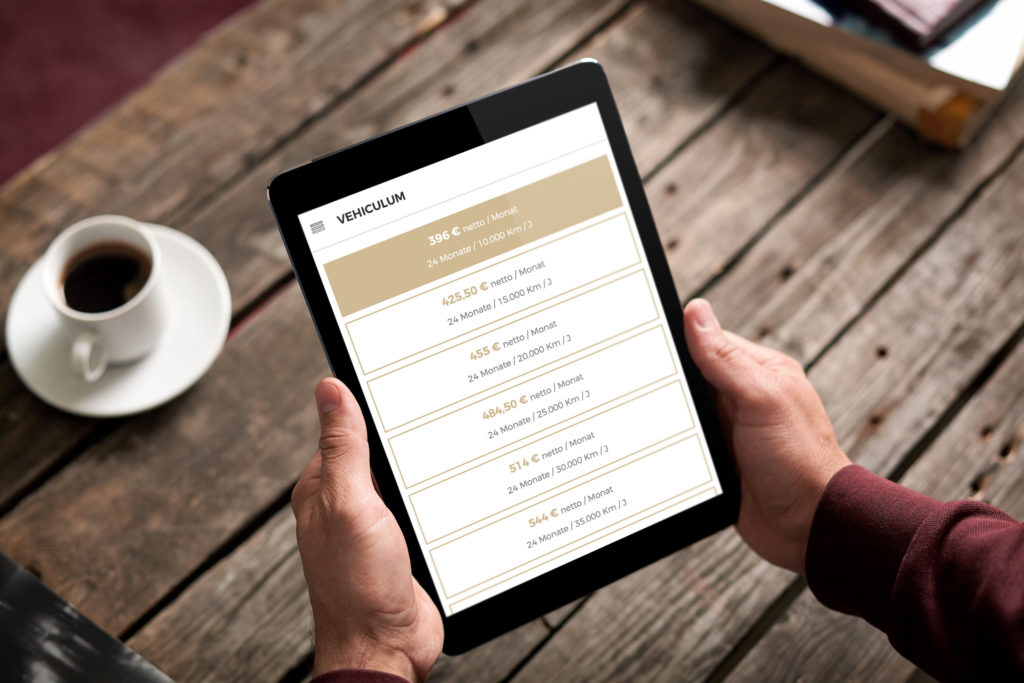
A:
[63,62]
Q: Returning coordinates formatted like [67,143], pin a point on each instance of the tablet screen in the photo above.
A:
[503,322]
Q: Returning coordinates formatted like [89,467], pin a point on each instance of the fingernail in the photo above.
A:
[327,397]
[703,315]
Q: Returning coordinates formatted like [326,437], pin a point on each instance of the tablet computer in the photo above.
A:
[489,283]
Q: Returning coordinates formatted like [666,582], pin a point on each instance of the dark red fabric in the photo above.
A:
[358,676]
[945,581]
[62,62]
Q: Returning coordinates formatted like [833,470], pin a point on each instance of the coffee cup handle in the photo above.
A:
[87,356]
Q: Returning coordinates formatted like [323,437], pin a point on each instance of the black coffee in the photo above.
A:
[104,276]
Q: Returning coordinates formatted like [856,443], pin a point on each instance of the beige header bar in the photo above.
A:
[473,235]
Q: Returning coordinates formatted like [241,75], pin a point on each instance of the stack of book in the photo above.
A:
[939,65]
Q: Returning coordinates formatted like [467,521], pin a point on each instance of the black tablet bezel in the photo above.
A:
[428,141]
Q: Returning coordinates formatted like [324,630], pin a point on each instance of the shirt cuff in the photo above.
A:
[358,676]
[861,530]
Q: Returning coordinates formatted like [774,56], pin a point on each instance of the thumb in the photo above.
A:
[344,453]
[724,363]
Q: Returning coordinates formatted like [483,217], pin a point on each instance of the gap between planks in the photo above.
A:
[916,255]
[226,548]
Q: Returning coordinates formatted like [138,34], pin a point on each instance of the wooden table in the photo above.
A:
[894,271]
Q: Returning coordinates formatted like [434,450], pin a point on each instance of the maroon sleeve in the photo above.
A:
[945,581]
[358,676]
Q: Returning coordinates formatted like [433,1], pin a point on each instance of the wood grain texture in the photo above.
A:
[493,661]
[980,258]
[663,60]
[920,346]
[248,618]
[723,189]
[134,514]
[33,436]
[206,118]
[802,283]
[673,620]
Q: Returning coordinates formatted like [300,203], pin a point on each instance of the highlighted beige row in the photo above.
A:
[586,383]
[488,229]
[569,261]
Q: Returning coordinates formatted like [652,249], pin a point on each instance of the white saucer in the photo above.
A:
[200,314]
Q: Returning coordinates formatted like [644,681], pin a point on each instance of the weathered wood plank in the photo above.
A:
[663,60]
[33,436]
[207,117]
[805,641]
[973,442]
[800,285]
[673,620]
[131,516]
[492,661]
[921,345]
[247,618]
[881,403]
[766,150]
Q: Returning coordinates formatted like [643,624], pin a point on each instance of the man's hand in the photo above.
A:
[368,611]
[786,450]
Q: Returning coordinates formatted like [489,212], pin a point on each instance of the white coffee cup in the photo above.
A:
[122,334]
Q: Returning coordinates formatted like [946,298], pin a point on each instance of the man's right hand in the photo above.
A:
[785,448]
